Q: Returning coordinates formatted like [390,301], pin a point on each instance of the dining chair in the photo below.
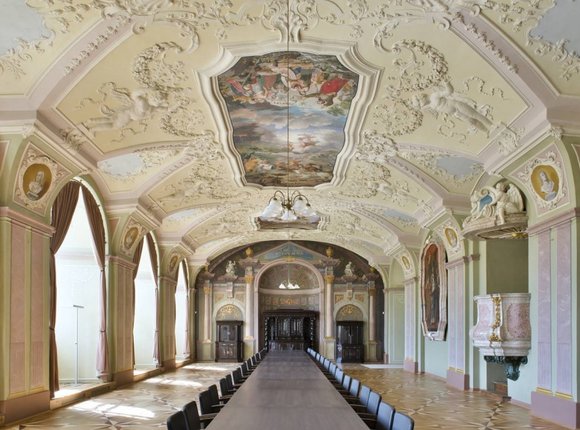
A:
[224,389]
[360,402]
[385,417]
[372,406]
[206,404]
[192,417]
[215,396]
[403,422]
[176,421]
[344,388]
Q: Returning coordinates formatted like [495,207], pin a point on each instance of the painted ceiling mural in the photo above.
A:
[176,111]
[288,109]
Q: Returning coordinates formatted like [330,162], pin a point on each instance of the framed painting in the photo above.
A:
[433,292]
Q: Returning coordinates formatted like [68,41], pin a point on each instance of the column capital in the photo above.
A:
[329,279]
[207,290]
[249,278]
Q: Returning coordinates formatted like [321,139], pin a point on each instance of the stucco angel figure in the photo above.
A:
[496,202]
[446,101]
[348,269]
[136,105]
[231,268]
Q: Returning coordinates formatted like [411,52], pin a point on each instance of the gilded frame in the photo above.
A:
[433,292]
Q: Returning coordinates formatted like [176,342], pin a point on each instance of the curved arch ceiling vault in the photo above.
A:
[444,91]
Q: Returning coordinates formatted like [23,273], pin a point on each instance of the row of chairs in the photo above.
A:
[367,403]
[210,400]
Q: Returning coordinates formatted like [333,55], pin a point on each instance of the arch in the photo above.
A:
[349,312]
[281,262]
[229,312]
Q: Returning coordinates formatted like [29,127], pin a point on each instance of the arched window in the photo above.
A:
[80,328]
[181,311]
[145,311]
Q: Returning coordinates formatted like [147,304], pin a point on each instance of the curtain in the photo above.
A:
[187,348]
[98,233]
[136,260]
[154,266]
[63,209]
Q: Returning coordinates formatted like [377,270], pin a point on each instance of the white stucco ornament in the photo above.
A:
[497,212]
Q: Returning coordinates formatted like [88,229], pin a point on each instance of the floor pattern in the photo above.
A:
[435,405]
[147,404]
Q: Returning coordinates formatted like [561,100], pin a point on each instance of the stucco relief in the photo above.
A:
[37,177]
[162,94]
[126,168]
[430,158]
[545,180]
[510,14]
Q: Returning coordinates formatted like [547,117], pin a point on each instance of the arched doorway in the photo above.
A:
[291,291]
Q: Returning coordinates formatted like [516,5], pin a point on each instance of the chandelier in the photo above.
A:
[288,208]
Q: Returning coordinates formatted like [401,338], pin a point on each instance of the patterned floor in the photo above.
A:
[147,404]
[434,405]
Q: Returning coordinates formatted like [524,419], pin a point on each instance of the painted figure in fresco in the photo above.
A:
[447,101]
[131,237]
[36,186]
[547,187]
[432,289]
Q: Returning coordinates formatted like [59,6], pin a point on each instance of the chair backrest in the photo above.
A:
[332,368]
[224,387]
[237,375]
[339,375]
[327,363]
[214,395]
[176,421]
[354,387]
[364,394]
[346,382]
[373,403]
[403,422]
[205,403]
[191,415]
[245,369]
[230,381]
[385,417]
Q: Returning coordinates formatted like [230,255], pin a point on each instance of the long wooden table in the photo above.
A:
[287,391]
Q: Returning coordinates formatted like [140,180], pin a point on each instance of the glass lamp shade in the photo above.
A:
[282,286]
[288,216]
[273,210]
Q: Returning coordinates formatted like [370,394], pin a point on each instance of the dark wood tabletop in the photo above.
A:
[287,391]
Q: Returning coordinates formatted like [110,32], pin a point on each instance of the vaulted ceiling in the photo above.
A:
[447,93]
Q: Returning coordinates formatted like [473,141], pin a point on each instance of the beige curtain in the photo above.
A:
[187,348]
[136,260]
[155,267]
[98,232]
[63,209]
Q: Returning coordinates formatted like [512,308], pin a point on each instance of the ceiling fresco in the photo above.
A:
[385,114]
[288,109]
